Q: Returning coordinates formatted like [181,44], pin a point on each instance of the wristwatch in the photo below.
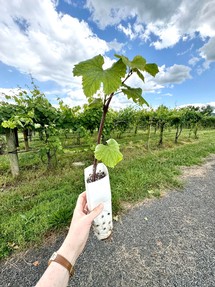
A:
[62,261]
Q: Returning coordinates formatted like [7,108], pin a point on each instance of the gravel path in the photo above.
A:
[164,242]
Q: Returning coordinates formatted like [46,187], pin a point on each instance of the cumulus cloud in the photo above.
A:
[75,98]
[115,45]
[175,74]
[169,21]
[111,12]
[167,36]
[207,51]
[128,31]
[37,39]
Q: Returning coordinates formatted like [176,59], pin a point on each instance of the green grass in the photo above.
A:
[144,173]
[40,201]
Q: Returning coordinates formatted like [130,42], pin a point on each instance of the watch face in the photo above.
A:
[54,255]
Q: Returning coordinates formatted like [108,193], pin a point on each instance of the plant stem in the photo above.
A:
[105,110]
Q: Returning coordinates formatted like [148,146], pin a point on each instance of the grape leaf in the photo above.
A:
[137,63]
[124,59]
[109,154]
[93,75]
[95,103]
[140,75]
[152,69]
[135,94]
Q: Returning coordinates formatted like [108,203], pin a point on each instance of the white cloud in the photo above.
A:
[170,21]
[168,95]
[168,37]
[36,39]
[75,98]
[175,74]
[127,31]
[8,92]
[186,51]
[111,12]
[208,50]
[207,53]
[115,45]
[201,105]
[70,2]
[193,61]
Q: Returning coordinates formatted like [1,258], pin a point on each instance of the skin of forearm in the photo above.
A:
[56,275]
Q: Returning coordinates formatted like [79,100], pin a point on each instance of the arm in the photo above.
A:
[56,275]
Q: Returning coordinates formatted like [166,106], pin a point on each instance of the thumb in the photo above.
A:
[95,212]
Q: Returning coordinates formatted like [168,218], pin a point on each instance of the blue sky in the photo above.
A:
[46,38]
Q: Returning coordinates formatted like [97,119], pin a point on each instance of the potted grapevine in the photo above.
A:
[111,81]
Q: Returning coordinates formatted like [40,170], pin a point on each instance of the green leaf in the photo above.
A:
[109,154]
[112,77]
[90,71]
[95,103]
[139,63]
[9,124]
[152,69]
[135,94]
[140,75]
[124,59]
[93,75]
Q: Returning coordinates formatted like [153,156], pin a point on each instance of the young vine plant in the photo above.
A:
[112,81]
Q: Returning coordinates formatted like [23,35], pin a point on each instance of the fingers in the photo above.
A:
[82,199]
[95,212]
[85,210]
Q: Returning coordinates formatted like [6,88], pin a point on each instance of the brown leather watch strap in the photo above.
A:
[62,261]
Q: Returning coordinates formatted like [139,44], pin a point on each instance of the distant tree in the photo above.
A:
[147,119]
[91,116]
[33,111]
[207,110]
[68,118]
[8,128]
[193,118]
[124,119]
[46,119]
[162,115]
[177,119]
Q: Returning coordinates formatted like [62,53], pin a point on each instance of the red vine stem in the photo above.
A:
[105,110]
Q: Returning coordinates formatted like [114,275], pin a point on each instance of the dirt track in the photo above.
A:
[164,242]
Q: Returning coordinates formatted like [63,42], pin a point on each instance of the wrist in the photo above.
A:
[68,251]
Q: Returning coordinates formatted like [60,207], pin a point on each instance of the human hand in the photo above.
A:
[79,229]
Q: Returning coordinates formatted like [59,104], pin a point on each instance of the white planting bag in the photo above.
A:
[100,192]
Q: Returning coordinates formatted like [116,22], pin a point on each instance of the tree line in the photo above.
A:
[30,112]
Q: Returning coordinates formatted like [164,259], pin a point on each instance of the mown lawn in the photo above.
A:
[41,201]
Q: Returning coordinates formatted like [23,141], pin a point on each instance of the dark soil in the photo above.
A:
[166,242]
[99,175]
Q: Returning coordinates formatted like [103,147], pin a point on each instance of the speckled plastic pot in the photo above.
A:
[97,192]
